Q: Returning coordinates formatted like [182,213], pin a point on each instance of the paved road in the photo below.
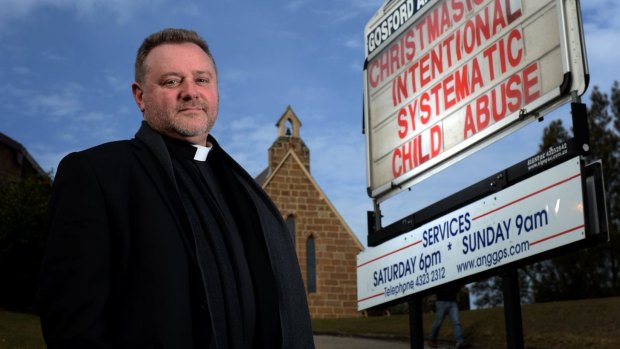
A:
[335,342]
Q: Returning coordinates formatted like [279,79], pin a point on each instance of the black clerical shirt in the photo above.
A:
[240,293]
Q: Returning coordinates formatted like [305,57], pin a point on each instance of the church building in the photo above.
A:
[326,246]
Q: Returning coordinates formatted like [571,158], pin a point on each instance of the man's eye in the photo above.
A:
[171,83]
[202,81]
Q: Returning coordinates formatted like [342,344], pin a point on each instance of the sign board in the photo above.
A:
[445,77]
[536,215]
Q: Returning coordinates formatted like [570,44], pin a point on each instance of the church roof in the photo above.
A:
[262,176]
[20,149]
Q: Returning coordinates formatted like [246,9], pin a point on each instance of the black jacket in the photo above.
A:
[120,268]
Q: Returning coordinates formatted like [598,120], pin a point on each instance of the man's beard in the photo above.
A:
[167,121]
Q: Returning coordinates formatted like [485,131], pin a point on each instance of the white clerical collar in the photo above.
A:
[201,152]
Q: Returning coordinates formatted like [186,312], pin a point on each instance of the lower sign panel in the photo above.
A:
[536,215]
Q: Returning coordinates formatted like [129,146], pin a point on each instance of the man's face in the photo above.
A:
[179,95]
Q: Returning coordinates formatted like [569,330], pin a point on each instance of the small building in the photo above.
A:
[15,161]
[326,247]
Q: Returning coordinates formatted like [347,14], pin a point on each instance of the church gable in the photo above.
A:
[329,268]
[289,174]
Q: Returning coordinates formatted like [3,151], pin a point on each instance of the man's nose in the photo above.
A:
[189,91]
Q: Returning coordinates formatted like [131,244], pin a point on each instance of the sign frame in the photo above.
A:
[574,82]
[594,229]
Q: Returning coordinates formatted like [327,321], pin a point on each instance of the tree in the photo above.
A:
[489,292]
[592,272]
[586,273]
[23,205]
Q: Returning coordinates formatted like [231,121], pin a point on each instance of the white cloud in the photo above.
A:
[121,10]
[74,136]
[357,66]
[21,70]
[355,43]
[232,75]
[342,10]
[247,139]
[63,103]
[54,56]
[339,148]
[190,9]
[601,13]
[17,8]
[601,27]
[91,116]
[48,160]
[336,10]
[116,83]
[295,5]
[65,117]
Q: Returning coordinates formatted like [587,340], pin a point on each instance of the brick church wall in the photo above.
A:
[336,251]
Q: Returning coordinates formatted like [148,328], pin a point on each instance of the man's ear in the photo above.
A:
[138,95]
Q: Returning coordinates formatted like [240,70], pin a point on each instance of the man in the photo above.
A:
[164,241]
[446,304]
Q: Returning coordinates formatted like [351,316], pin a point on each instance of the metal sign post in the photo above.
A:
[416,324]
[512,309]
[442,79]
[539,208]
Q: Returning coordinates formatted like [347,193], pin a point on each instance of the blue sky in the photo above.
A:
[67,68]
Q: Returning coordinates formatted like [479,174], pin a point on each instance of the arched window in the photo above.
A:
[311,264]
[290,224]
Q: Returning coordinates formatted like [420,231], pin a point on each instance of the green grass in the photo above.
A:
[20,331]
[567,325]
[591,323]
